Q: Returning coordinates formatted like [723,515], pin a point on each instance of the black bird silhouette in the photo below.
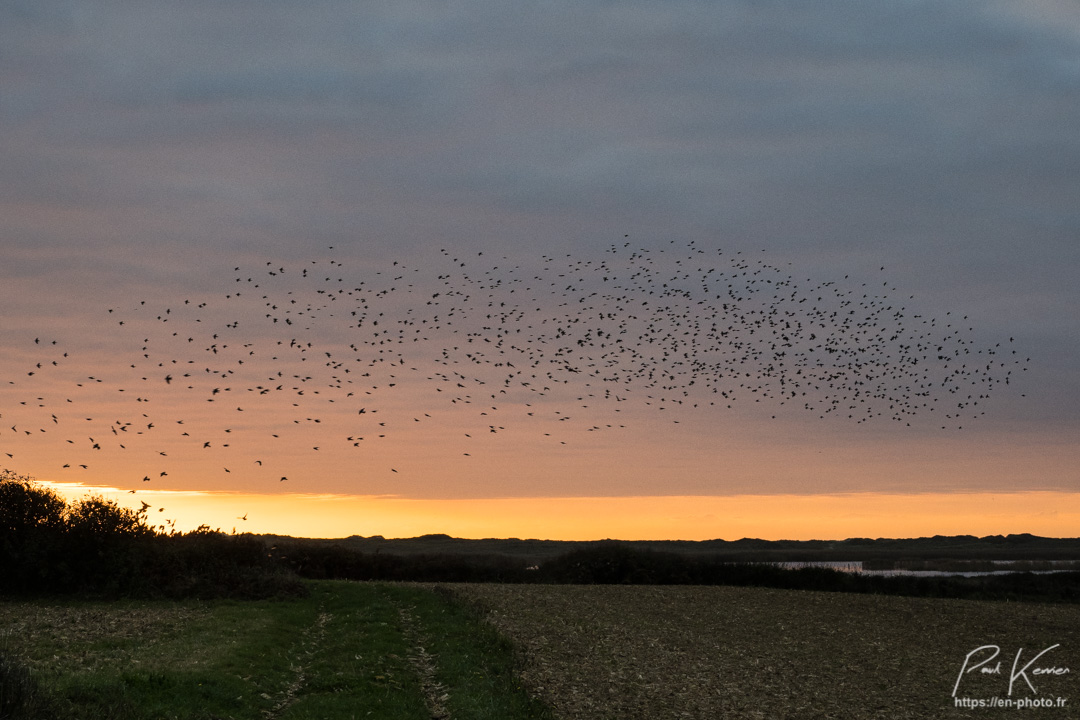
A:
[517,344]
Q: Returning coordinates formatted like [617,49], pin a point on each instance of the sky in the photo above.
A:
[557,209]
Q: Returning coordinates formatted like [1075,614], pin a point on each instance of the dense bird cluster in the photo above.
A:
[354,352]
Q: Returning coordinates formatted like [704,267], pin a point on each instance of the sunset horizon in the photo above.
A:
[690,518]
[713,271]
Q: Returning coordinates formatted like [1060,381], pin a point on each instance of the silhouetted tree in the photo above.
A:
[31,530]
[107,546]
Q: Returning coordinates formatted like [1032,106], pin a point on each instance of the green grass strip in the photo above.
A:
[471,659]
[349,650]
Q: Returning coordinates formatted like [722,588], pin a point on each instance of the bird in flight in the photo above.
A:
[500,347]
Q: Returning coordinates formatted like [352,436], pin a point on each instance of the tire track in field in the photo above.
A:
[424,663]
[309,645]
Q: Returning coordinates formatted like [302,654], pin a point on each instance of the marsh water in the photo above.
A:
[941,568]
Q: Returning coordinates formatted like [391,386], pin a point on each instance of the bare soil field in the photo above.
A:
[593,652]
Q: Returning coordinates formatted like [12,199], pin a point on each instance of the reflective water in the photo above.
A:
[857,566]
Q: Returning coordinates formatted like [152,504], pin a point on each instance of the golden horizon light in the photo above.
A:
[766,517]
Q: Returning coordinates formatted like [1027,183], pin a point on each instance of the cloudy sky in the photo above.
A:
[930,150]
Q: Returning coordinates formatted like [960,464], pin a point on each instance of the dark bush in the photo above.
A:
[319,562]
[97,547]
[31,531]
[208,563]
[106,547]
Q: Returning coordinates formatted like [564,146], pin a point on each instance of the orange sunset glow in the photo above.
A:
[305,421]
[767,517]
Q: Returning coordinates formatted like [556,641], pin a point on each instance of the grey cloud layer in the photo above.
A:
[942,139]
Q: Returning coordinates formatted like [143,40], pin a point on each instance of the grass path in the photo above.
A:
[425,664]
[349,650]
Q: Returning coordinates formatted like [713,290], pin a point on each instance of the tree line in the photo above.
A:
[95,547]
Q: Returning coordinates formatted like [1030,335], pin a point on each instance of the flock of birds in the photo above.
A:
[481,345]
